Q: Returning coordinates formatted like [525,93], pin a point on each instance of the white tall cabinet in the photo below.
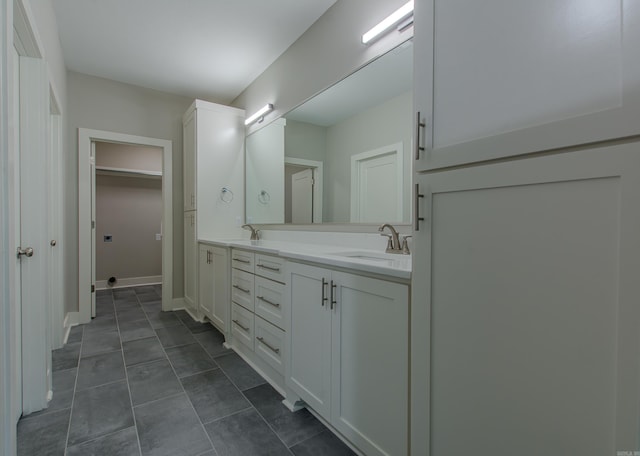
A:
[213,147]
[525,324]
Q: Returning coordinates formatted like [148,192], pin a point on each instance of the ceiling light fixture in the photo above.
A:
[401,13]
[266,109]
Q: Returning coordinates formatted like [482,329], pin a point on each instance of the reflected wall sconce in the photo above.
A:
[402,13]
[259,114]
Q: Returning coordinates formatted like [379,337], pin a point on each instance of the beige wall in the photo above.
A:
[125,156]
[102,104]
[130,210]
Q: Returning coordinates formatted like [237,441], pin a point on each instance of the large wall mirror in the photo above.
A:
[341,157]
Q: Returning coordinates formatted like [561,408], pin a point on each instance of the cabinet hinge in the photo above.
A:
[93,288]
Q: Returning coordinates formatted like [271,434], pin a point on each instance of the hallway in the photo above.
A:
[139,381]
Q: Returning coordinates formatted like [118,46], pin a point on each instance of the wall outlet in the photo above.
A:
[158,237]
[108,238]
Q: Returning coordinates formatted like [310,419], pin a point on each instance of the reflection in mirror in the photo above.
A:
[341,157]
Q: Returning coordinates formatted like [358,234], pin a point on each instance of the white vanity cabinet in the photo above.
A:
[348,354]
[258,311]
[494,79]
[213,283]
[190,260]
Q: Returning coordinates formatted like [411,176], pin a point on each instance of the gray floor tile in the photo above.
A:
[101,323]
[123,292]
[141,289]
[183,315]
[213,395]
[152,381]
[170,427]
[104,308]
[292,428]
[132,330]
[44,435]
[100,342]
[190,359]
[75,334]
[159,319]
[100,411]
[127,304]
[209,453]
[65,357]
[152,307]
[121,443]
[64,379]
[142,351]
[212,342]
[239,371]
[324,444]
[100,369]
[197,327]
[105,292]
[174,336]
[131,314]
[243,434]
[149,297]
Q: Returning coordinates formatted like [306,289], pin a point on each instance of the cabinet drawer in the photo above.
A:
[269,301]
[242,322]
[270,267]
[269,344]
[242,260]
[242,288]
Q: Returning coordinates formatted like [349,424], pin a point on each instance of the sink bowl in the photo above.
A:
[370,256]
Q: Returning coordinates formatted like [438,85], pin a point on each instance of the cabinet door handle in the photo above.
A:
[240,260]
[273,349]
[333,295]
[268,267]
[274,304]
[416,213]
[419,125]
[237,287]
[244,328]
[324,293]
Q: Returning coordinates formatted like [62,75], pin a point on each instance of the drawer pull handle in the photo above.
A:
[275,350]
[237,287]
[240,325]
[240,260]
[274,304]
[268,267]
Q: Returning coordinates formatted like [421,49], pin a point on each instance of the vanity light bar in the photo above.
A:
[395,17]
[260,113]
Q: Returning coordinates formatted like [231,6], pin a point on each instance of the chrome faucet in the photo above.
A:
[393,245]
[254,233]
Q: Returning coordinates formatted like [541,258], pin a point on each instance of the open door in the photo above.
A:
[302,197]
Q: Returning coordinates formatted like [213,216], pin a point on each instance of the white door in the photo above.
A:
[376,185]
[34,279]
[302,197]
[92,174]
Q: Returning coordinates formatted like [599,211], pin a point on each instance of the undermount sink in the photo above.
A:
[370,256]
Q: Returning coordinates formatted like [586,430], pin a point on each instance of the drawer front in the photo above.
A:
[242,260]
[242,325]
[269,301]
[270,267]
[269,344]
[242,289]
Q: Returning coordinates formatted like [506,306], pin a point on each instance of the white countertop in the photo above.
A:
[365,260]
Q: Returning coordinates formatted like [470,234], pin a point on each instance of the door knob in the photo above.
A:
[53,242]
[28,252]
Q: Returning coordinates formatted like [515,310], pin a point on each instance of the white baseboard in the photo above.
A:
[129,282]
[70,320]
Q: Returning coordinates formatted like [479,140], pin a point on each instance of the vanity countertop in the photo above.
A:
[365,260]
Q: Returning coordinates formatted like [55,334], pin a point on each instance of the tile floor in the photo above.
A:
[139,381]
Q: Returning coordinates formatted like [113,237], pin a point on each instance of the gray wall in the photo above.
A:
[380,126]
[305,140]
[103,104]
[327,52]
[130,210]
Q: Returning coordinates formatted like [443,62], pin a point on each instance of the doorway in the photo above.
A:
[87,140]
[303,181]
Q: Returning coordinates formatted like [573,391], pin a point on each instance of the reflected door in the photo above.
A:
[302,197]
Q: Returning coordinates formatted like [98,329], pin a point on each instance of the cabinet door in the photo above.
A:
[205,281]
[370,363]
[525,316]
[190,260]
[309,354]
[220,281]
[189,162]
[495,78]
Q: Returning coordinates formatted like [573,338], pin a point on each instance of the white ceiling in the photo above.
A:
[196,48]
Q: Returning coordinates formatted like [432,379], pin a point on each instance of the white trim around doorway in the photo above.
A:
[85,138]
